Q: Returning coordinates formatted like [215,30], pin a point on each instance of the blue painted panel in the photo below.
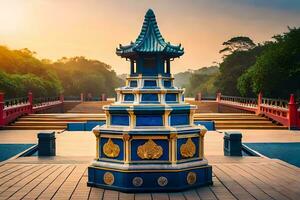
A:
[133,84]
[150,83]
[116,141]
[149,120]
[171,97]
[150,97]
[77,126]
[129,97]
[167,84]
[183,141]
[179,119]
[209,125]
[92,124]
[136,143]
[177,181]
[10,150]
[122,120]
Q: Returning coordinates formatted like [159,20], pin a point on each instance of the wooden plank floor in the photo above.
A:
[267,179]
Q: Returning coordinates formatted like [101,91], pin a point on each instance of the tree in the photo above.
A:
[239,43]
[277,70]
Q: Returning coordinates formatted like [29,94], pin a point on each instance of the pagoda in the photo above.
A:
[149,141]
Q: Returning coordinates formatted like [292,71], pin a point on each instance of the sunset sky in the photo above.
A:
[94,28]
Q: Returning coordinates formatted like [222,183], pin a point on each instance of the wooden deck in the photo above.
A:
[234,178]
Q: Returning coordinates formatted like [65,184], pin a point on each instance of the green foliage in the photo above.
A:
[233,66]
[21,71]
[277,70]
[240,43]
[202,80]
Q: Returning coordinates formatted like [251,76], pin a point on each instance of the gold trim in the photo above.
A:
[150,150]
[153,170]
[188,149]
[110,149]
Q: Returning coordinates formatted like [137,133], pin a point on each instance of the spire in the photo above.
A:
[150,40]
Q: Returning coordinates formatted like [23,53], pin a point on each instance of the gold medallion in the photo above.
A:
[188,149]
[191,178]
[108,178]
[150,150]
[110,149]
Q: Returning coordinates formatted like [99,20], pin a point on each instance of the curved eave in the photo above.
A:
[129,54]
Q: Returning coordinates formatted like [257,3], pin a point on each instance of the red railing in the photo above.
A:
[11,109]
[282,111]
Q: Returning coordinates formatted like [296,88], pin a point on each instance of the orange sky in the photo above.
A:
[94,28]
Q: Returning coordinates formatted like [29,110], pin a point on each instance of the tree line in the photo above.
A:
[21,71]
[272,67]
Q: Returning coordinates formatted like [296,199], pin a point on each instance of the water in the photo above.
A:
[288,152]
[9,150]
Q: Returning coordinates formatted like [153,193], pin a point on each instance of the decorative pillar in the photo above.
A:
[218,99]
[61,97]
[199,96]
[292,114]
[259,102]
[81,97]
[30,100]
[2,123]
[173,138]
[126,139]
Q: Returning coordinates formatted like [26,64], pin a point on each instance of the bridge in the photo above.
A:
[228,112]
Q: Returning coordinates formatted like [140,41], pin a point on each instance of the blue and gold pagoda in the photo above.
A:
[149,141]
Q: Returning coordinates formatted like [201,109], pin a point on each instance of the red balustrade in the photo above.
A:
[10,110]
[286,113]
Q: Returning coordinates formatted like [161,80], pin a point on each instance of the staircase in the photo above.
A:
[51,121]
[238,121]
[88,107]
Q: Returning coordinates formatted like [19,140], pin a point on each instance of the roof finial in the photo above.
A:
[150,13]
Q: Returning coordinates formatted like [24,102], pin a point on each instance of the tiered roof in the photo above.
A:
[150,41]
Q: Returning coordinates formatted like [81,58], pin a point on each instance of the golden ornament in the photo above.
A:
[150,150]
[108,178]
[110,149]
[188,149]
[191,178]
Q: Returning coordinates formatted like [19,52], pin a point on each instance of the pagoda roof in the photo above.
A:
[150,41]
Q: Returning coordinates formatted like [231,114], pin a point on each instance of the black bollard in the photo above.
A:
[46,145]
[232,143]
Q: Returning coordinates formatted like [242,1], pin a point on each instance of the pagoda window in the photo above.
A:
[150,83]
[167,67]
[149,66]
[149,98]
[133,84]
[171,97]
[179,119]
[149,120]
[167,84]
[128,97]
[120,120]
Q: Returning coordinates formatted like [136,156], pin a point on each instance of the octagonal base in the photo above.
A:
[149,180]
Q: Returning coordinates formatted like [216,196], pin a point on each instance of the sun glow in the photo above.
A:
[11,16]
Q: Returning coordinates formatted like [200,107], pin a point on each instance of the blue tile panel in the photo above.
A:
[150,83]
[92,124]
[171,97]
[149,120]
[136,143]
[167,84]
[122,120]
[76,126]
[9,150]
[133,84]
[179,119]
[129,97]
[150,97]
[209,125]
[183,141]
[116,141]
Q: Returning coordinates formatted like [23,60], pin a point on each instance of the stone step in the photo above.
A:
[14,127]
[250,127]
